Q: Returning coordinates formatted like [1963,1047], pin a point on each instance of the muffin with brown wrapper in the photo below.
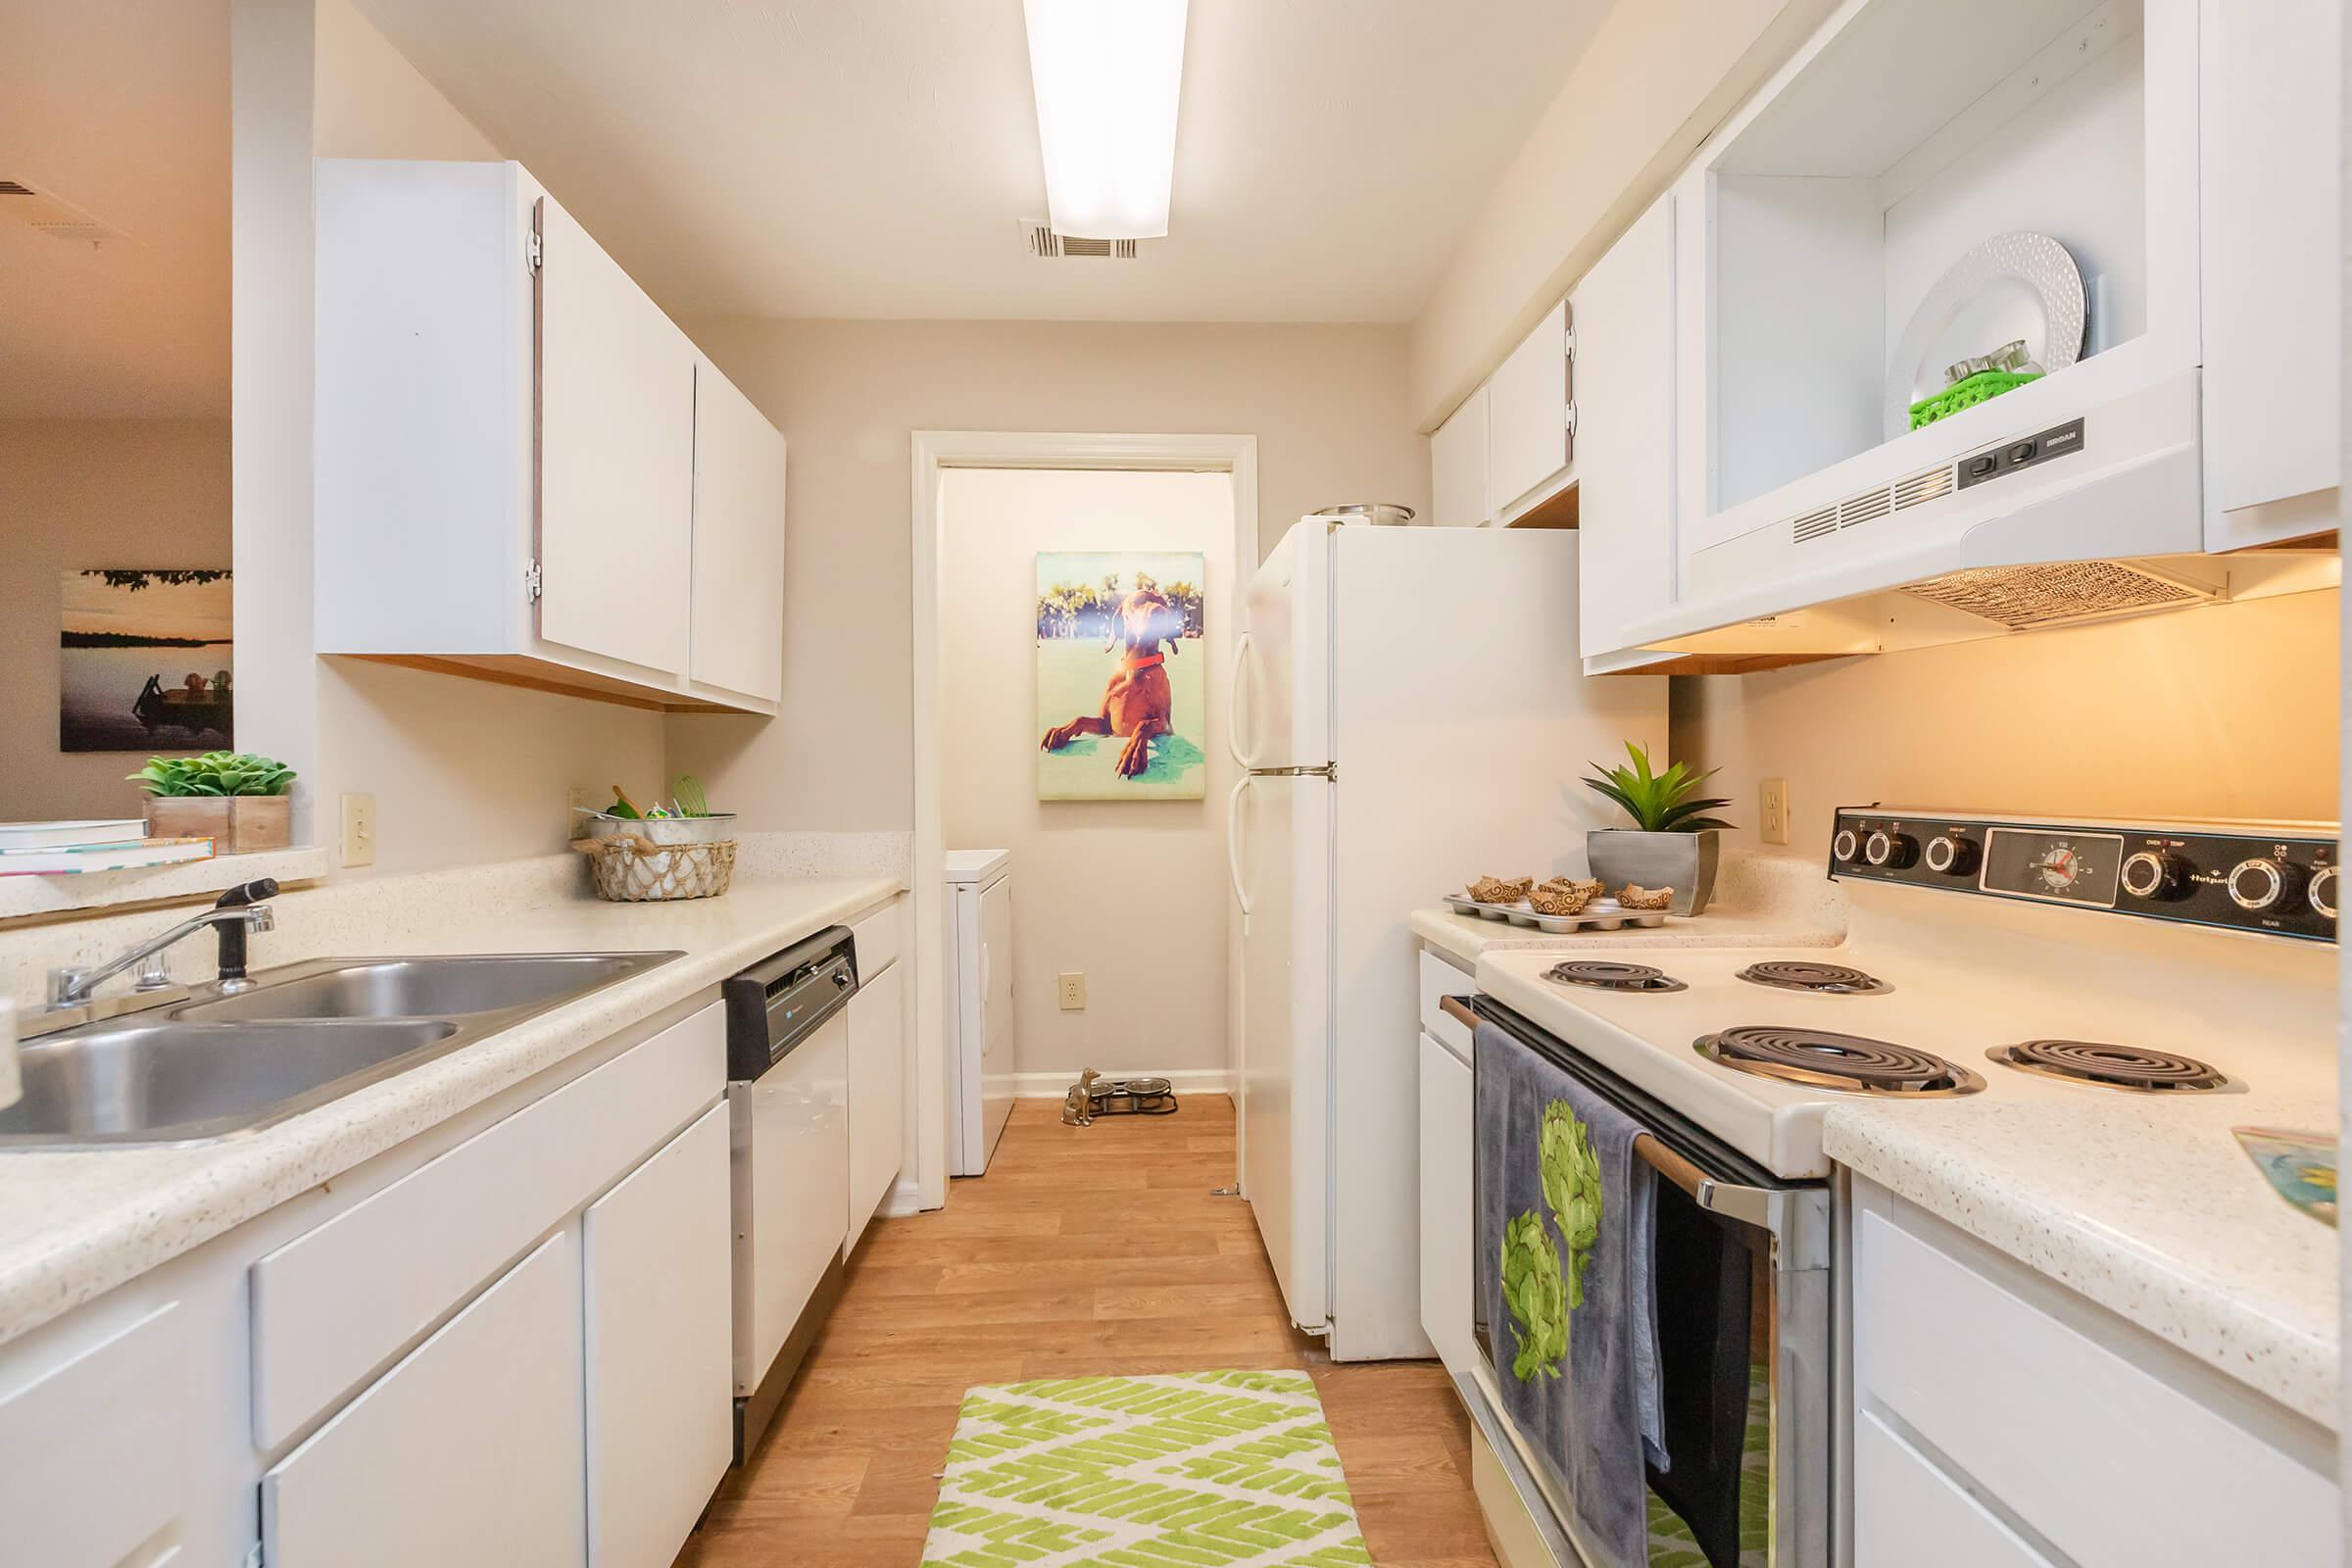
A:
[1501,890]
[1561,897]
[1633,897]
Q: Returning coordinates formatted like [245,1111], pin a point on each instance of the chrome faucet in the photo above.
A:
[236,915]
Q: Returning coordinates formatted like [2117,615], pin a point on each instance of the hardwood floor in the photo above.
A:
[1084,1250]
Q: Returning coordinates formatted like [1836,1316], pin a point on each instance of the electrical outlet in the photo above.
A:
[1074,993]
[359,830]
[1771,811]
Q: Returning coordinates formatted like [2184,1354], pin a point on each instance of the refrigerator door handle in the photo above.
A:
[1233,842]
[1233,706]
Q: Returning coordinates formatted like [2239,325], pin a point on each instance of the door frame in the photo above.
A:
[925,1183]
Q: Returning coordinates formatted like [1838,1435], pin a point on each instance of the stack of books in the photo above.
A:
[62,849]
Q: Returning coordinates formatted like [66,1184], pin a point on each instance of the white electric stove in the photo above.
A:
[2026,967]
[1991,964]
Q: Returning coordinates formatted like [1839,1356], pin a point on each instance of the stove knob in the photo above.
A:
[2322,892]
[1890,851]
[2154,874]
[1952,854]
[2262,884]
[1846,845]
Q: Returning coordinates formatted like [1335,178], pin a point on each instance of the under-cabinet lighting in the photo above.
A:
[1107,75]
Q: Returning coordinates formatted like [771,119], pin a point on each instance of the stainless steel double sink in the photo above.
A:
[213,1064]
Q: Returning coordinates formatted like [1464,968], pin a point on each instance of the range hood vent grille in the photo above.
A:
[2024,597]
[1912,490]
[1048,245]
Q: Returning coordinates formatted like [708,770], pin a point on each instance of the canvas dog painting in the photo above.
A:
[1119,693]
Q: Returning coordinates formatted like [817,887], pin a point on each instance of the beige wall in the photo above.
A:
[2227,711]
[1659,75]
[1326,403]
[76,494]
[462,771]
[1129,894]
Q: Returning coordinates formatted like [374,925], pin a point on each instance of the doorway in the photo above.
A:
[1038,493]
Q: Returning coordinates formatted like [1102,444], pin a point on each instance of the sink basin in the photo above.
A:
[424,988]
[306,1034]
[168,1081]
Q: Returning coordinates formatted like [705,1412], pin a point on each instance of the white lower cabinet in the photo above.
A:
[2002,1421]
[1447,1132]
[83,1493]
[877,1094]
[657,1321]
[465,1455]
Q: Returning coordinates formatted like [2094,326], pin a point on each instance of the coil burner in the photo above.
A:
[1821,979]
[1602,974]
[2104,1066]
[1846,1064]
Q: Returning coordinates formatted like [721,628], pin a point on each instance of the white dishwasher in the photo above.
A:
[788,1114]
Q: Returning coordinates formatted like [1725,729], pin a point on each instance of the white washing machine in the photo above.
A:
[981,1073]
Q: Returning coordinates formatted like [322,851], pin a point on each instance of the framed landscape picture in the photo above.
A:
[143,662]
[1122,676]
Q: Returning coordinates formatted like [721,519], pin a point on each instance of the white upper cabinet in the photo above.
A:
[2271,112]
[1625,445]
[512,475]
[616,458]
[738,542]
[1457,467]
[1528,420]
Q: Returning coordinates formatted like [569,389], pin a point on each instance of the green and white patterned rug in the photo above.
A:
[1198,1470]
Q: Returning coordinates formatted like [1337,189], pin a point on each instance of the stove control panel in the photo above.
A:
[2284,884]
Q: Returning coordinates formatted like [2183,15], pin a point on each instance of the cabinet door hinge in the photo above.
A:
[530,581]
[530,250]
[1568,347]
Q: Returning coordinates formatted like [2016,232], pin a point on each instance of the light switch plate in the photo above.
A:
[357,839]
[1074,993]
[1771,811]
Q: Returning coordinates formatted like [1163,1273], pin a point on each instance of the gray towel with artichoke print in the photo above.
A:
[1571,1215]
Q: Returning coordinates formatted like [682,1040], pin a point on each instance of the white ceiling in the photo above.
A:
[873,158]
[120,107]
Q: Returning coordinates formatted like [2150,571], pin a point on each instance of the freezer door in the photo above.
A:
[1280,713]
[1284,1053]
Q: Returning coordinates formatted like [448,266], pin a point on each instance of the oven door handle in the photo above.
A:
[1763,1208]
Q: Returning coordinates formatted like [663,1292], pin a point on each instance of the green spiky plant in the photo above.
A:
[214,773]
[1658,802]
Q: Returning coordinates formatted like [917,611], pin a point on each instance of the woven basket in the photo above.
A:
[626,869]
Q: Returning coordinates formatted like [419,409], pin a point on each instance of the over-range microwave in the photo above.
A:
[2181,151]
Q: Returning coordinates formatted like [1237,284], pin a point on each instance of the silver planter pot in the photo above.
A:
[1682,862]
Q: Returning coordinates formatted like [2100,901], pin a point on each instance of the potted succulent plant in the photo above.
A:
[235,799]
[1673,841]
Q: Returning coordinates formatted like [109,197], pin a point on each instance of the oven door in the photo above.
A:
[1742,1272]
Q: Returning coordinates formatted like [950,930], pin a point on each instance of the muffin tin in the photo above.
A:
[1601,914]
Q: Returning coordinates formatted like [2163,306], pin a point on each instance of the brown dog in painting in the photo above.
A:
[1136,704]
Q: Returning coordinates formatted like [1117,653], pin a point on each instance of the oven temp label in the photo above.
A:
[2063,867]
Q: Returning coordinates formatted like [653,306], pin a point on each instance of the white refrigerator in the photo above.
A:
[1412,712]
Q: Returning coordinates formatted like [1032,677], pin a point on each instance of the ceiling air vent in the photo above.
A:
[59,219]
[1047,245]
[2023,598]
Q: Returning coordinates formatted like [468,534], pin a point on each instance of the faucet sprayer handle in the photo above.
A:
[245,893]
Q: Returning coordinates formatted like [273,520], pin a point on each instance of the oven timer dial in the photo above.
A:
[1890,851]
[2261,884]
[1846,845]
[2322,892]
[1952,854]
[2154,874]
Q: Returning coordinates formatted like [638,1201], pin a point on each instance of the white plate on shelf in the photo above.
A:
[2011,288]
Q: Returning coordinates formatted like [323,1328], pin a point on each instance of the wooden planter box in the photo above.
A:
[235,823]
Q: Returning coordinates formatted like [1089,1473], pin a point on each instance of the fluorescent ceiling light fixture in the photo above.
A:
[1107,75]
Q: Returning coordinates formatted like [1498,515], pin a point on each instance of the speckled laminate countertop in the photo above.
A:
[76,1224]
[2149,1207]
